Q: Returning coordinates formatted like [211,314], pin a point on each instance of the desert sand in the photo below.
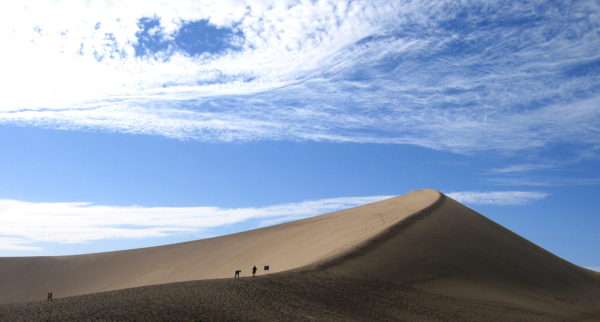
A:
[417,257]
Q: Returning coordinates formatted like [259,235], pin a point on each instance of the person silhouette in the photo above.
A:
[253,270]
[237,273]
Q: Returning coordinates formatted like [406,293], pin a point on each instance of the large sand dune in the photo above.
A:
[282,247]
[422,246]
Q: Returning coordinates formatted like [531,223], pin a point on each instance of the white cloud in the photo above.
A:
[55,45]
[497,198]
[343,71]
[521,168]
[27,222]
[16,244]
[546,181]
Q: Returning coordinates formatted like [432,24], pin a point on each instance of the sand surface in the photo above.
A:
[417,257]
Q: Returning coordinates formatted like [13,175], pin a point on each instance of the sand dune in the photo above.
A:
[421,249]
[282,247]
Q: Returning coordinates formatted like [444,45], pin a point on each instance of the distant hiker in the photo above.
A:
[237,273]
[253,271]
[49,299]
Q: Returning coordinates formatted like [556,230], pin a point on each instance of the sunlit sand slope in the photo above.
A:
[282,247]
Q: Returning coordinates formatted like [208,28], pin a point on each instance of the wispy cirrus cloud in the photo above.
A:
[545,181]
[458,77]
[498,198]
[23,223]
[17,244]
[521,168]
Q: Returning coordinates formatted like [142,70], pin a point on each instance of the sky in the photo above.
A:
[127,124]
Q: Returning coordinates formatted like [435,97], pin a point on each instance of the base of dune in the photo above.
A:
[290,296]
[417,257]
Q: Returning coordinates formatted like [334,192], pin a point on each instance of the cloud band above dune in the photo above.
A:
[498,198]
[26,222]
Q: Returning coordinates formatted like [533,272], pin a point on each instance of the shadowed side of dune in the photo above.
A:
[282,247]
[452,250]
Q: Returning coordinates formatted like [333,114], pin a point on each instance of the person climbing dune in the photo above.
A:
[254,271]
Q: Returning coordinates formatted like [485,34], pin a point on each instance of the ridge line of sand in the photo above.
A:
[370,244]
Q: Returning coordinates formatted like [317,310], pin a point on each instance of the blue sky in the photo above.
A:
[137,123]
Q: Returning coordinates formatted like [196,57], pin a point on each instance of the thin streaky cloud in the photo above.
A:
[23,223]
[464,78]
[497,198]
[17,244]
[522,168]
[545,181]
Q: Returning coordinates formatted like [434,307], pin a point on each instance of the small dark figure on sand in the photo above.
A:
[49,299]
[253,271]
[237,273]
